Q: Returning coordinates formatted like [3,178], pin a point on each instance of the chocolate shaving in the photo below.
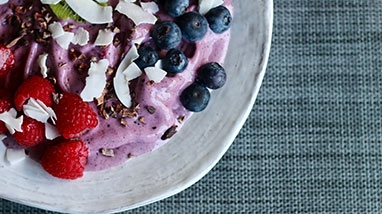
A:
[53,80]
[102,111]
[74,54]
[107,152]
[128,112]
[118,107]
[14,41]
[110,110]
[110,71]
[20,10]
[104,114]
[150,109]
[82,67]
[56,97]
[43,25]
[46,35]
[62,64]
[141,119]
[137,106]
[68,27]
[38,16]
[150,83]
[101,100]
[169,132]
[48,17]
[181,118]
[123,122]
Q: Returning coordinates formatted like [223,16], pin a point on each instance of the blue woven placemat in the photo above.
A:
[313,142]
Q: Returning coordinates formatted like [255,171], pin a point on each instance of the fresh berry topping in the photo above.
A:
[33,132]
[193,25]
[74,116]
[195,97]
[219,19]
[147,57]
[7,61]
[212,75]
[166,35]
[5,105]
[66,159]
[175,61]
[176,8]
[36,87]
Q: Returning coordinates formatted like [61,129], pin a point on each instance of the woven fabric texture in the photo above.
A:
[313,141]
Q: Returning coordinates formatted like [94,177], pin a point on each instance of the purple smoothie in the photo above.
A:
[139,134]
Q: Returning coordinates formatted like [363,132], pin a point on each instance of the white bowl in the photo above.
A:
[181,162]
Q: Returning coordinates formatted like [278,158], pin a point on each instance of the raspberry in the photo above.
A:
[5,105]
[36,87]
[74,116]
[66,159]
[33,133]
[7,61]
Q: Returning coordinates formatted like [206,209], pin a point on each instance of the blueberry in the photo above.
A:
[212,75]
[147,57]
[219,19]
[195,97]
[176,8]
[166,35]
[193,25]
[175,61]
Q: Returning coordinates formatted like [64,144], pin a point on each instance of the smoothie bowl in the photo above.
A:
[135,152]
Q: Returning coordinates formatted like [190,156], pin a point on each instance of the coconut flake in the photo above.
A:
[159,64]
[104,38]
[49,110]
[33,110]
[135,13]
[14,156]
[150,7]
[130,56]
[50,1]
[42,63]
[122,90]
[12,123]
[121,84]
[81,37]
[132,72]
[56,29]
[51,131]
[96,81]
[92,11]
[65,40]
[156,73]
[207,5]
[37,110]
[62,37]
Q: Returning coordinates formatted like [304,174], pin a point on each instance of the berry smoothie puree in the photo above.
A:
[156,113]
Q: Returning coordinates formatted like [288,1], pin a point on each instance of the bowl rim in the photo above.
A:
[202,171]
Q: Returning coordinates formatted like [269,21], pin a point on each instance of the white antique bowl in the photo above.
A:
[182,161]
